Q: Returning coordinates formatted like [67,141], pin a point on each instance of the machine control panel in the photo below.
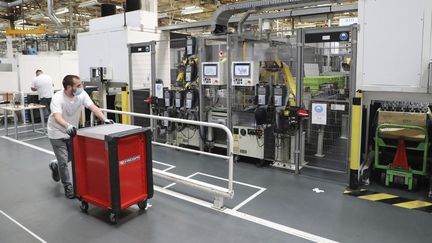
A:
[213,73]
[244,74]
[263,94]
[101,74]
[189,99]
[168,97]
[280,93]
[178,99]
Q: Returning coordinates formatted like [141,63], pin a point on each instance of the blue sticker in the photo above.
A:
[343,36]
[319,109]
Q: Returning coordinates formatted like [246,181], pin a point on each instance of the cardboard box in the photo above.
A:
[6,97]
[403,118]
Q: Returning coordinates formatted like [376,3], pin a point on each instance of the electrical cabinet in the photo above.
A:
[394,46]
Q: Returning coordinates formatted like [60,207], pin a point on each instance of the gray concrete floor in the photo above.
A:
[29,196]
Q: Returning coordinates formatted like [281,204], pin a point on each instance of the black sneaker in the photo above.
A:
[69,192]
[54,171]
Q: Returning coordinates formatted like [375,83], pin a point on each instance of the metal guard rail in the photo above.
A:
[219,192]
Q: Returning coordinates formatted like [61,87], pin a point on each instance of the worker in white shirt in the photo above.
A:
[63,122]
[44,86]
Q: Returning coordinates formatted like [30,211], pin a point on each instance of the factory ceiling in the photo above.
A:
[75,14]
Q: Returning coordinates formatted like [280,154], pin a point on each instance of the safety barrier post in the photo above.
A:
[355,144]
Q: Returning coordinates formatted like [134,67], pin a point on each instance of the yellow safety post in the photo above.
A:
[125,103]
[355,144]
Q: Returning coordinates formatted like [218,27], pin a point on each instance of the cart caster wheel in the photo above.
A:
[142,205]
[84,207]
[113,218]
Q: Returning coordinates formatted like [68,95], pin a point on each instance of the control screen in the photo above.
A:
[210,70]
[242,70]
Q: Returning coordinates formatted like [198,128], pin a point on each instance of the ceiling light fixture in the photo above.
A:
[19,21]
[89,3]
[37,16]
[191,10]
[62,11]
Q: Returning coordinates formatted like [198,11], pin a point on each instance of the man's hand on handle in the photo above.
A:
[108,121]
[71,130]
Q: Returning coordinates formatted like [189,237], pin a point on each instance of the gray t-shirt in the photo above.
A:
[70,108]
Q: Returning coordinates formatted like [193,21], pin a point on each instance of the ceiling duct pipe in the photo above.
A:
[243,20]
[51,15]
[12,4]
[223,13]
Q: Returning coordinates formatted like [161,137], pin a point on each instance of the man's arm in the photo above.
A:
[99,114]
[33,85]
[60,120]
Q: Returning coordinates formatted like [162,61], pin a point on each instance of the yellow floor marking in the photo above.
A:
[413,204]
[378,196]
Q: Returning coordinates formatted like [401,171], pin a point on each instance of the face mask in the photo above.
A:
[77,91]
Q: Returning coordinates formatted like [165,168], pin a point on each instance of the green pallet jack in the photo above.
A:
[399,171]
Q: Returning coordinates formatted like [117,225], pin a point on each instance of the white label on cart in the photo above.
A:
[130,160]
[319,114]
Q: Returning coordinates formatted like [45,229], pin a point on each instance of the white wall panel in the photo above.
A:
[8,82]
[56,65]
[394,47]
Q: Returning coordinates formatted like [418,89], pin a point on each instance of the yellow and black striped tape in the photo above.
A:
[391,199]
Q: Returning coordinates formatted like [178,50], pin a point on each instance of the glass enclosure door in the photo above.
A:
[327,60]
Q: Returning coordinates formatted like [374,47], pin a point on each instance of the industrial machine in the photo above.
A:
[106,93]
[186,97]
[213,88]
[120,174]
[213,73]
[187,108]
[244,74]
[249,134]
[265,118]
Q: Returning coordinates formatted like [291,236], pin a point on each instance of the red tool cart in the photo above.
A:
[112,167]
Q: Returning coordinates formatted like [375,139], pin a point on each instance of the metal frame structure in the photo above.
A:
[152,45]
[353,30]
[218,192]
[202,56]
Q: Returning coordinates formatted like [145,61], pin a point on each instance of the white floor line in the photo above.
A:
[173,184]
[29,145]
[30,139]
[170,166]
[23,227]
[247,200]
[236,182]
[256,194]
[260,221]
[250,218]
[170,185]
